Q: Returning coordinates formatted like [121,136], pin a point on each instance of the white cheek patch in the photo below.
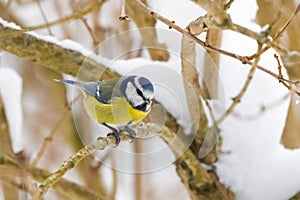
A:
[148,107]
[136,82]
[98,91]
[148,94]
[132,95]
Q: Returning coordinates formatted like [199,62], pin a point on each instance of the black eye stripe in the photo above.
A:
[140,93]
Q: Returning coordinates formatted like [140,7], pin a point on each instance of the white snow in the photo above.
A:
[66,43]
[9,24]
[256,165]
[11,94]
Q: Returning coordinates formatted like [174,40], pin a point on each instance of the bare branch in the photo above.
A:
[124,16]
[75,15]
[263,108]
[88,27]
[44,16]
[280,76]
[243,59]
[50,136]
[6,148]
[63,187]
[278,35]
[70,163]
[237,99]
[156,49]
[50,55]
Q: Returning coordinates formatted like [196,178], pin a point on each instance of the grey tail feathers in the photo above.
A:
[67,81]
[88,87]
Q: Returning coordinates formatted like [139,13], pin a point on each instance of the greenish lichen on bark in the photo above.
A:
[50,55]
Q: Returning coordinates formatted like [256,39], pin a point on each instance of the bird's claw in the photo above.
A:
[114,132]
[131,133]
[117,136]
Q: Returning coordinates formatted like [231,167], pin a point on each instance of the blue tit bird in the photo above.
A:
[119,101]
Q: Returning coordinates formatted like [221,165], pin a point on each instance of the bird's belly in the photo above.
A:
[118,112]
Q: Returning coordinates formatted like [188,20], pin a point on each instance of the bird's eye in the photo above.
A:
[139,92]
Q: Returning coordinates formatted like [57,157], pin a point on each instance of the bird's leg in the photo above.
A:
[114,132]
[131,132]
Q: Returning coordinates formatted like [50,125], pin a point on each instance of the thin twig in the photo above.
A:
[243,59]
[262,109]
[228,5]
[237,99]
[86,24]
[124,16]
[8,4]
[73,16]
[6,148]
[50,136]
[70,163]
[279,34]
[210,110]
[280,76]
[23,160]
[44,16]
[72,190]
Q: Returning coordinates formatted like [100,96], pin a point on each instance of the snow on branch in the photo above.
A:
[61,56]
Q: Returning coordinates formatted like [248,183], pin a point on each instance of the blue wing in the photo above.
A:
[101,90]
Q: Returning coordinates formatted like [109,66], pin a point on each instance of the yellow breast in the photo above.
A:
[118,112]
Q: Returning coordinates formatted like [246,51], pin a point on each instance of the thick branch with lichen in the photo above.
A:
[188,164]
[6,148]
[63,187]
[50,55]
[70,163]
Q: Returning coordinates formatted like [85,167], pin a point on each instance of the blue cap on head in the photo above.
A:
[146,84]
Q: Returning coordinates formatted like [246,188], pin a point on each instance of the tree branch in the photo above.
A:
[237,99]
[243,59]
[50,55]
[77,15]
[64,187]
[6,148]
[188,162]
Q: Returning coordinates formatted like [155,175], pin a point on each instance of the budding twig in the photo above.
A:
[50,136]
[73,16]
[279,34]
[123,16]
[280,76]
[70,163]
[238,98]
[244,59]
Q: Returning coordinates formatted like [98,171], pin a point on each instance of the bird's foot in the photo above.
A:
[131,133]
[117,136]
[115,133]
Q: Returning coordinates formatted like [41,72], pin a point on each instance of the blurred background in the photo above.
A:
[259,153]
